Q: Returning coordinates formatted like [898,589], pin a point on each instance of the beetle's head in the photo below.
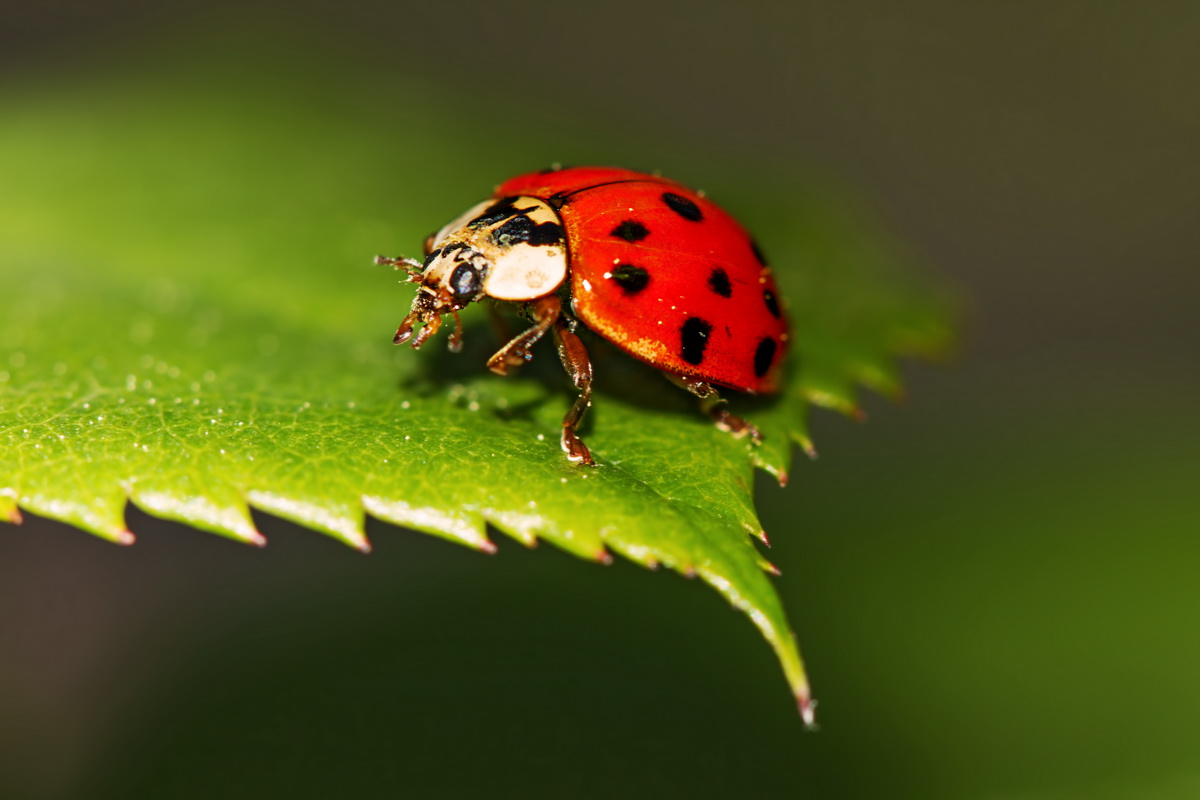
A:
[508,249]
[449,279]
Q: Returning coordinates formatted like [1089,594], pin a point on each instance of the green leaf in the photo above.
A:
[193,323]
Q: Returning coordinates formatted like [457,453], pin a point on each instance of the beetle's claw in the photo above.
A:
[575,449]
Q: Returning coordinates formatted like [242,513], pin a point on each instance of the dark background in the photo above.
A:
[994,584]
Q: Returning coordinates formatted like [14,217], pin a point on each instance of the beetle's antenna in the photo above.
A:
[410,265]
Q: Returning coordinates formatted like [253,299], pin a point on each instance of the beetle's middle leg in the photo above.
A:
[712,404]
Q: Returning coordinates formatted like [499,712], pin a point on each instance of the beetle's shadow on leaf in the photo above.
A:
[464,378]
[542,384]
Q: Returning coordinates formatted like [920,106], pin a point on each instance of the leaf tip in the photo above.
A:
[771,568]
[807,707]
[124,537]
[12,516]
[806,444]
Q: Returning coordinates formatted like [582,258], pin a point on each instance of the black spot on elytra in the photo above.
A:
[718,281]
[758,253]
[764,354]
[497,212]
[523,229]
[683,207]
[631,231]
[693,336]
[772,302]
[630,278]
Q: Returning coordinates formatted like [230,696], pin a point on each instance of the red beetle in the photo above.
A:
[650,265]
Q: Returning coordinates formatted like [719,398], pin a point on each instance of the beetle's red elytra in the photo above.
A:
[657,269]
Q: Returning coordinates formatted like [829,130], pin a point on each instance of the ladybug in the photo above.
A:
[646,263]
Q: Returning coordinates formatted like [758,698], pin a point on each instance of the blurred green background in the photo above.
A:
[992,583]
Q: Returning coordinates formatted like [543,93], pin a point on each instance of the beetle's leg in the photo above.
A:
[502,330]
[714,405]
[544,310]
[575,361]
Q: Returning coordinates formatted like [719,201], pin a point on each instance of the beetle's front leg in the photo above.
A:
[545,311]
